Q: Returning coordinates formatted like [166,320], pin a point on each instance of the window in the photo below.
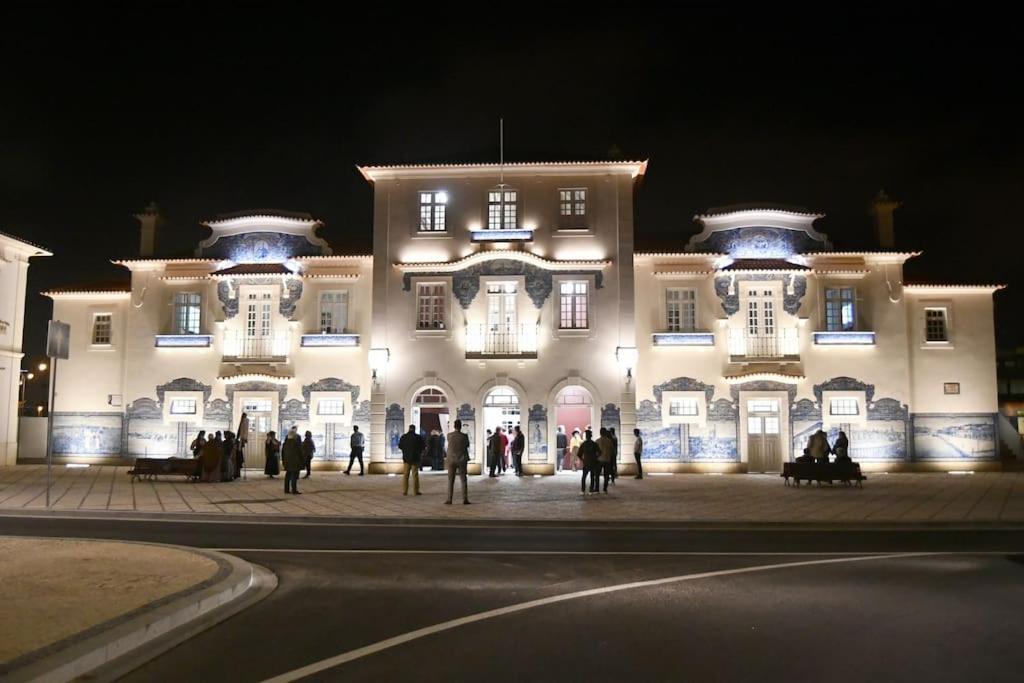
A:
[333,312]
[256,405]
[501,210]
[258,314]
[843,406]
[572,207]
[763,405]
[681,310]
[935,329]
[683,407]
[572,305]
[102,329]
[840,309]
[430,397]
[183,406]
[330,406]
[430,306]
[432,211]
[186,312]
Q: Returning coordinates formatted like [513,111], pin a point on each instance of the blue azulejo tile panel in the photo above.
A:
[318,340]
[87,433]
[502,235]
[154,439]
[859,338]
[683,338]
[872,441]
[953,436]
[184,341]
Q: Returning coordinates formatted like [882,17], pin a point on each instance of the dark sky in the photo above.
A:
[211,111]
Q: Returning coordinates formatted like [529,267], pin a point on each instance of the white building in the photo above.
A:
[14,258]
[510,295]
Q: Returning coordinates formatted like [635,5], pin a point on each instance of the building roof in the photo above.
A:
[953,286]
[89,289]
[42,251]
[760,208]
[748,264]
[260,213]
[255,269]
[371,173]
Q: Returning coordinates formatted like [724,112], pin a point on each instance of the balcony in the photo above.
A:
[272,347]
[495,342]
[781,346]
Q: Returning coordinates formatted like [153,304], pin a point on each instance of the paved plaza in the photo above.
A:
[913,498]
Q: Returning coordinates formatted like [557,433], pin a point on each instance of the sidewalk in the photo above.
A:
[894,498]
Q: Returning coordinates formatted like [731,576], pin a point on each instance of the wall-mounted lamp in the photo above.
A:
[378,359]
[627,357]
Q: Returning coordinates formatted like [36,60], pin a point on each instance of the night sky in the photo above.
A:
[207,112]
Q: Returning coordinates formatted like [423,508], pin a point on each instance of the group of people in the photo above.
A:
[415,448]
[818,448]
[220,457]
[500,450]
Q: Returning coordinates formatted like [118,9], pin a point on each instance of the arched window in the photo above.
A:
[430,397]
[501,397]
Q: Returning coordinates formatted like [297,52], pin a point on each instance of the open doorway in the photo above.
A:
[574,414]
[501,409]
[431,415]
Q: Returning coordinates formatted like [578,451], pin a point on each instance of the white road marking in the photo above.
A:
[388,643]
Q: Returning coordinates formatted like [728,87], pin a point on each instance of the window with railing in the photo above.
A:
[333,312]
[502,209]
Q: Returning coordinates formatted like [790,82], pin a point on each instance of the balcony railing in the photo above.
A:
[779,346]
[501,341]
[272,346]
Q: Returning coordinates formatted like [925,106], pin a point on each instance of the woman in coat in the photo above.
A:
[308,449]
[198,443]
[209,460]
[272,468]
[572,455]
[293,460]
[494,451]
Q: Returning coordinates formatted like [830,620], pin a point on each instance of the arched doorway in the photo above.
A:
[501,409]
[430,410]
[575,409]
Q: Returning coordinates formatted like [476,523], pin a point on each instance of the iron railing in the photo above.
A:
[245,347]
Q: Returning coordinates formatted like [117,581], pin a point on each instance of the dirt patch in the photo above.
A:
[54,588]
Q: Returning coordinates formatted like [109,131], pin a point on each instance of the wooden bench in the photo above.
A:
[151,468]
[846,473]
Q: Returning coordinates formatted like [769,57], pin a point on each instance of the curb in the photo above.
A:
[111,649]
[535,523]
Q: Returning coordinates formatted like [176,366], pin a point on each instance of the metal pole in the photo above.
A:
[49,427]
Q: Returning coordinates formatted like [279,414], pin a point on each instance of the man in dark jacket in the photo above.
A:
[518,446]
[589,454]
[411,444]
[291,458]
[308,449]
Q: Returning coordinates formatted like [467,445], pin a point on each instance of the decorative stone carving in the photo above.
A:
[465,412]
[184,384]
[230,390]
[805,409]
[286,305]
[648,411]
[262,247]
[760,242]
[683,384]
[539,282]
[330,384]
[611,417]
[888,409]
[361,413]
[218,409]
[844,384]
[228,299]
[794,293]
[293,410]
[794,289]
[723,410]
[144,409]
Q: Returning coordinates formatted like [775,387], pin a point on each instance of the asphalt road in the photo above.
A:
[663,604]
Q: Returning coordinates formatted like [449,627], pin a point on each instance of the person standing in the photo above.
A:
[606,448]
[412,446]
[494,452]
[272,468]
[588,453]
[291,457]
[504,449]
[574,450]
[615,453]
[197,444]
[638,449]
[308,449]
[458,461]
[356,443]
[242,435]
[227,461]
[561,445]
[518,446]
[434,451]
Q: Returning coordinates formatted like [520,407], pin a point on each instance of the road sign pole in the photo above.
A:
[49,427]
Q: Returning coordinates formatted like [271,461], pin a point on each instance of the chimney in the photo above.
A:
[149,220]
[882,208]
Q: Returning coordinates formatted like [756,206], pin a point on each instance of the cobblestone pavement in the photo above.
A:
[981,497]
